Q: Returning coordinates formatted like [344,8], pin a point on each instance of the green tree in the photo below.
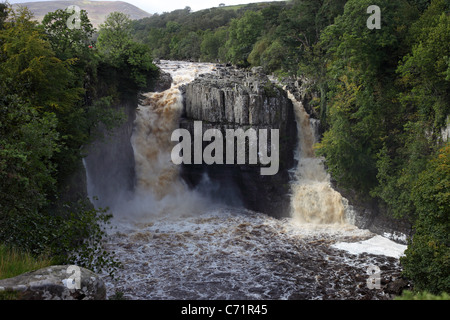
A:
[42,126]
[399,165]
[32,70]
[421,5]
[243,34]
[189,47]
[68,42]
[139,62]
[268,53]
[427,259]
[212,43]
[77,124]
[424,71]
[132,60]
[156,39]
[28,141]
[259,48]
[114,37]
[423,98]
[362,111]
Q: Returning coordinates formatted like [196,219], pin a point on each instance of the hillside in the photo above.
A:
[97,10]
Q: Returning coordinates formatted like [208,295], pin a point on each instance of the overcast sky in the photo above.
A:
[160,6]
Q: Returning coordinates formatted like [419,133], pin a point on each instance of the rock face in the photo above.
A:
[110,164]
[55,283]
[110,161]
[163,82]
[371,215]
[234,99]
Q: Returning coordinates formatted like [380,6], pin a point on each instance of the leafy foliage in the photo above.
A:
[382,96]
[72,235]
[212,47]
[69,42]
[243,33]
[51,103]
[427,258]
[31,69]
[361,79]
[28,141]
[119,51]
[424,71]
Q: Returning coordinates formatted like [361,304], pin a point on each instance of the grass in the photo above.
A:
[14,262]
[235,7]
[409,295]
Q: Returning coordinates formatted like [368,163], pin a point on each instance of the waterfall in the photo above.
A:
[175,242]
[159,188]
[89,182]
[313,198]
[157,117]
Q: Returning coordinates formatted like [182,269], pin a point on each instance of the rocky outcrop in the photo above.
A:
[236,99]
[371,215]
[163,82]
[55,283]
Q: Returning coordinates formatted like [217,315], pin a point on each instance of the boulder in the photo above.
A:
[396,287]
[56,283]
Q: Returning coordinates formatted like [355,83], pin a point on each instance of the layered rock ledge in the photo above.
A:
[236,99]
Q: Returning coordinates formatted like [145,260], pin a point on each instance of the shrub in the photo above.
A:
[73,234]
[427,260]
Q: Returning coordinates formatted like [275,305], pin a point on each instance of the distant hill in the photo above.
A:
[97,10]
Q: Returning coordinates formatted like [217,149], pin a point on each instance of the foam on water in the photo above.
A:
[238,254]
[176,244]
[377,245]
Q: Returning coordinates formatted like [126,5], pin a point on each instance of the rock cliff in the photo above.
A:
[236,99]
[110,163]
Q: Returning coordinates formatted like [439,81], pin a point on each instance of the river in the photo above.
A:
[176,243]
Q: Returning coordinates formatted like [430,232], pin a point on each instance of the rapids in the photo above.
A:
[177,243]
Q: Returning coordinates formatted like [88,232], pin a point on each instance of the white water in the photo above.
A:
[377,245]
[175,243]
[159,188]
[156,119]
[313,198]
